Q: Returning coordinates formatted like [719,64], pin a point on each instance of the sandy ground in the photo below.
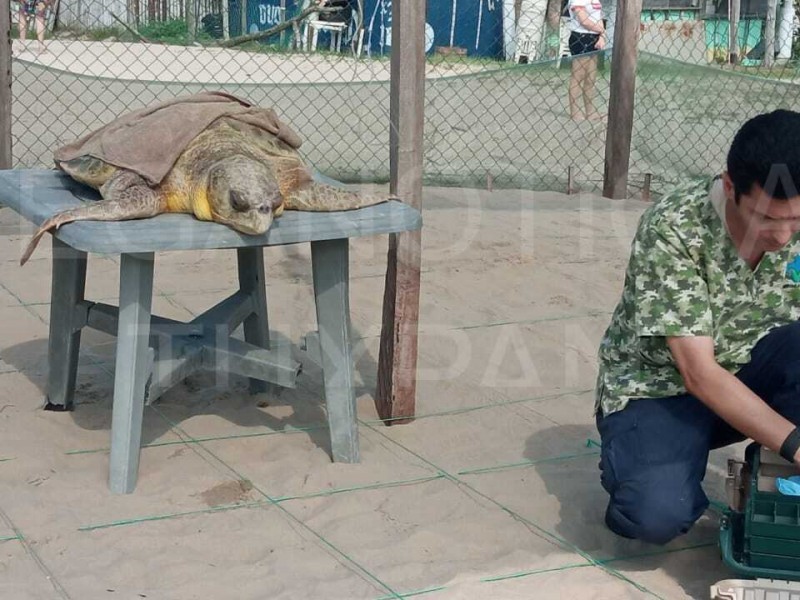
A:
[492,492]
[204,64]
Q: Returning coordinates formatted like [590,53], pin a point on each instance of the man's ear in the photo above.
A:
[727,186]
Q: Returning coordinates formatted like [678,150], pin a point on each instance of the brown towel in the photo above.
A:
[149,140]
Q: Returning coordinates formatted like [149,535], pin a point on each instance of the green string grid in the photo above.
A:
[416,593]
[215,462]
[455,411]
[197,445]
[188,440]
[277,500]
[213,438]
[350,562]
[526,463]
[236,436]
[331,492]
[174,515]
[441,474]
[600,561]
[545,534]
[33,555]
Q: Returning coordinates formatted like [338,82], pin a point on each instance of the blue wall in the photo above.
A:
[478,24]
[261,15]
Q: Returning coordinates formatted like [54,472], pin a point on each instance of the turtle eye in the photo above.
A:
[238,203]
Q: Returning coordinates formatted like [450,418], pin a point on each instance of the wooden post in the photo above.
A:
[769,33]
[570,181]
[648,178]
[397,363]
[621,99]
[5,85]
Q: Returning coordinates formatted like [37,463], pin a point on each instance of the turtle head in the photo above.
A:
[243,193]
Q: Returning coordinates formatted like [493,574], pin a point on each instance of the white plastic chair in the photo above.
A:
[336,29]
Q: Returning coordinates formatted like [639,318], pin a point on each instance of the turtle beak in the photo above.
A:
[263,221]
[251,223]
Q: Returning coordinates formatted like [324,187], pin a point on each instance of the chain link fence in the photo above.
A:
[498,75]
[702,71]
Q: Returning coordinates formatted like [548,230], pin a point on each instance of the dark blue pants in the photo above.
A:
[654,451]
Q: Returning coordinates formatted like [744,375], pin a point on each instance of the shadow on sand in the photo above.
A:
[204,393]
[691,560]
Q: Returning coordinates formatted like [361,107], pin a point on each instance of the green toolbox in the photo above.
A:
[760,531]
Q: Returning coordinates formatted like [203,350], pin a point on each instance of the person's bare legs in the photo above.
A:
[577,75]
[589,81]
[40,31]
[23,24]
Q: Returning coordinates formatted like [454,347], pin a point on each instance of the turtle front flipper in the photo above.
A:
[322,198]
[126,196]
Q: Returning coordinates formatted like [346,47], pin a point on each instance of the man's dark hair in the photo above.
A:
[766,151]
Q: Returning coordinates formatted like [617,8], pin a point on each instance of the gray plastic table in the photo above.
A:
[153,353]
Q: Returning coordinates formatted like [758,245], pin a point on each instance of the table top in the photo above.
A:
[37,194]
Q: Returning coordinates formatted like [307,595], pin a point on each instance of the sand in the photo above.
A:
[492,492]
[208,65]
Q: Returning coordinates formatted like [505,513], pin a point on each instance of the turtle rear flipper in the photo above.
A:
[127,197]
[322,198]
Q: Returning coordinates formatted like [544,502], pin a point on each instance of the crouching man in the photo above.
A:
[703,349]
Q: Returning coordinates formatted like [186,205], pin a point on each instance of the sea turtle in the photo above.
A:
[232,172]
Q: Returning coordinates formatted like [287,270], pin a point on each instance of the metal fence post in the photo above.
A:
[5,84]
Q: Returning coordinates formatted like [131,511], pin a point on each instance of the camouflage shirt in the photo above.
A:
[685,277]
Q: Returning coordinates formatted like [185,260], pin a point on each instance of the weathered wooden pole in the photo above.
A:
[5,85]
[397,364]
[621,99]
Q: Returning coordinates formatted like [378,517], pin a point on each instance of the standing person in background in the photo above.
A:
[588,35]
[37,8]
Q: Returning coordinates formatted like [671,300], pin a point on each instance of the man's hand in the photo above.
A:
[601,42]
[726,395]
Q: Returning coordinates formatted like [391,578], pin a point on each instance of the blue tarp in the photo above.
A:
[261,15]
[475,25]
